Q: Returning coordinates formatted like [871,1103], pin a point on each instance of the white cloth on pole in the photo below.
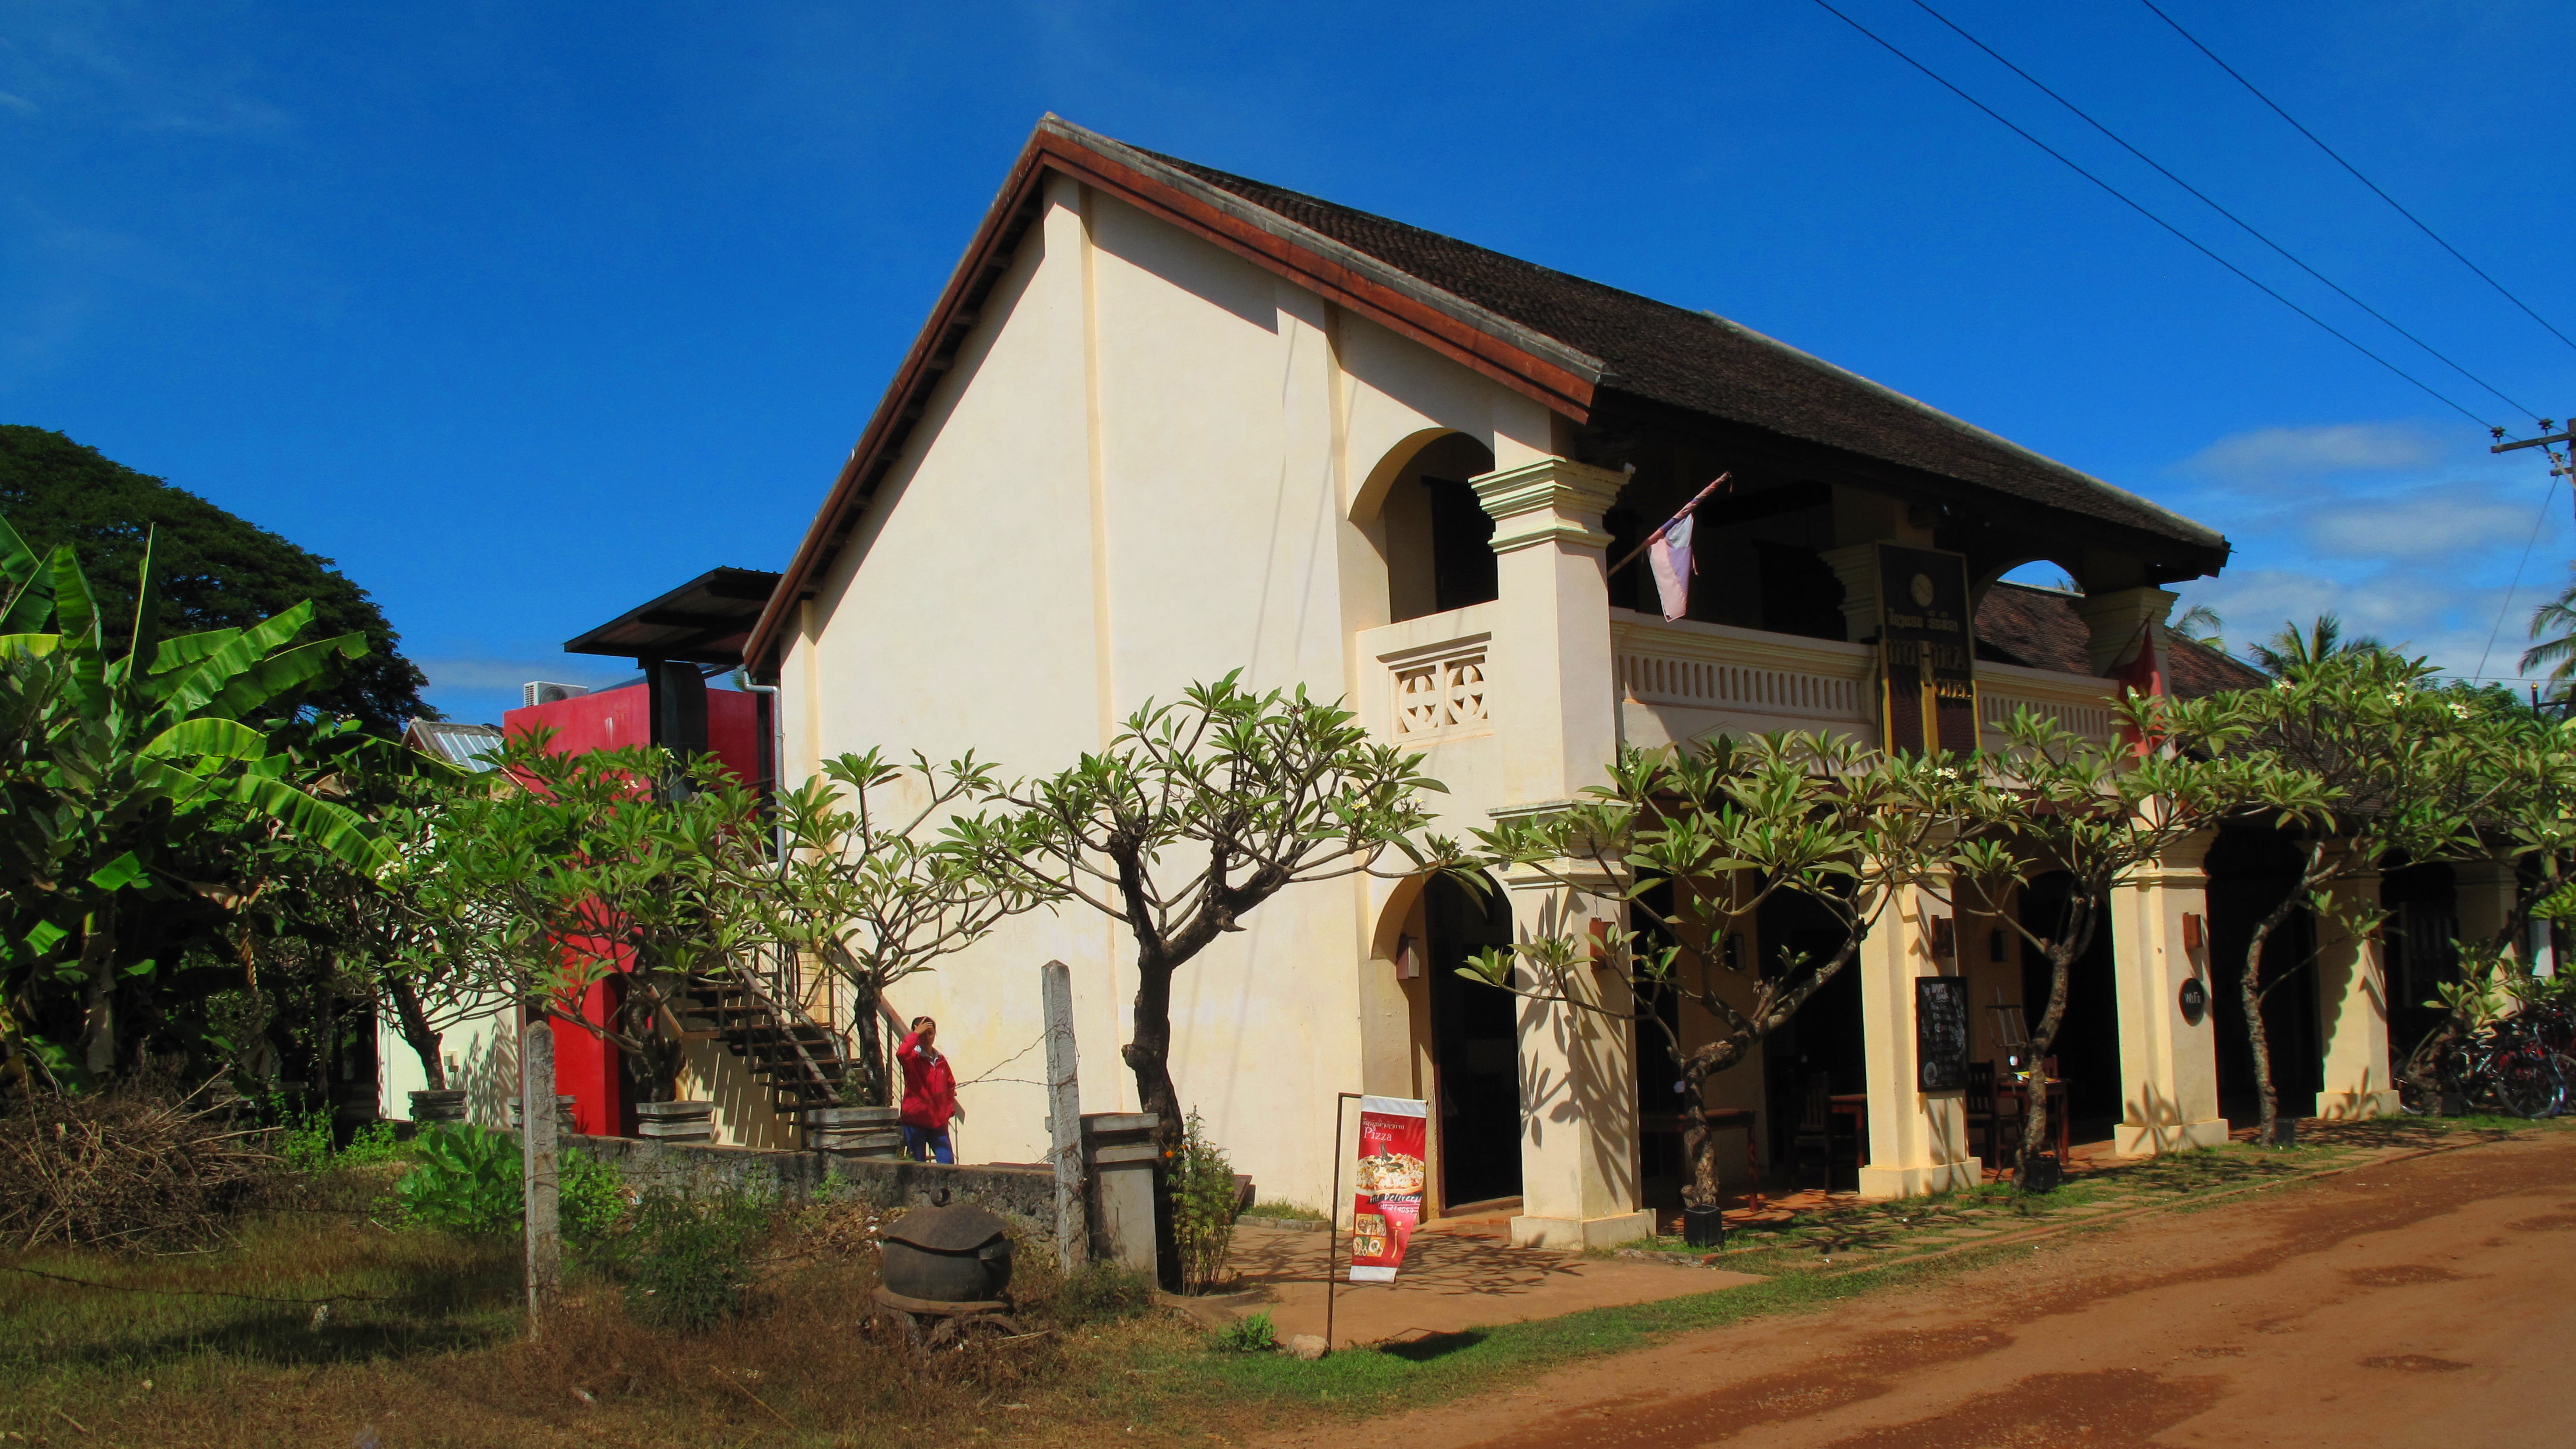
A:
[1670,559]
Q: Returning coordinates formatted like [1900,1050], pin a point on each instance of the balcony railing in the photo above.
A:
[1434,675]
[2076,702]
[1776,677]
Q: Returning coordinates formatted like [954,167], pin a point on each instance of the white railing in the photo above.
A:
[2076,702]
[1740,671]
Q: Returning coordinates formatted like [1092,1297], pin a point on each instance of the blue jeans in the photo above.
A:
[918,1141]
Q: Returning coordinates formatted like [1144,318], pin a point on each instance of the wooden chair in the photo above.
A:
[1815,1138]
[1979,1107]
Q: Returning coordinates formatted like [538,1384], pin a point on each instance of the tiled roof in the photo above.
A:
[1705,364]
[2039,628]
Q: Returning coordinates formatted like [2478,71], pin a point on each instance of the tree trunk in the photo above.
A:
[98,992]
[2043,1039]
[1148,1052]
[2257,1040]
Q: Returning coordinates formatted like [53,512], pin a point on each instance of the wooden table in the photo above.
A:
[1855,1105]
[1720,1119]
[2008,1089]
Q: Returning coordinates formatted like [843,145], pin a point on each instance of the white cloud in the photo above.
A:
[483,673]
[2428,522]
[2273,456]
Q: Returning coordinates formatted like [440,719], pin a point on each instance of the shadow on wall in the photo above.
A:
[744,1115]
[489,1074]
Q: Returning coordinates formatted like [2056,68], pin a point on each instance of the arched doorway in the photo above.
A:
[2088,1035]
[1475,1046]
[1826,1037]
[2250,868]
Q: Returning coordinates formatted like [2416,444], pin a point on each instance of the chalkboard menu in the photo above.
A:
[1940,1033]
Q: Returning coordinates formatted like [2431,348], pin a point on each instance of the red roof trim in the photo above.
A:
[1458,340]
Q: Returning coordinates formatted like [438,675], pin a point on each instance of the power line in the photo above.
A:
[2356,173]
[2179,233]
[2204,199]
[2507,606]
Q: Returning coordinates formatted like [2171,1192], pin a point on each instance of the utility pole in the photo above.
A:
[2560,467]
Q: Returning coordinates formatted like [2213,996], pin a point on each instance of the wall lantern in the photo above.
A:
[1945,937]
[1408,959]
[2191,931]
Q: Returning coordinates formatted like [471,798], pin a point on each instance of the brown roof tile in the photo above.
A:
[2039,628]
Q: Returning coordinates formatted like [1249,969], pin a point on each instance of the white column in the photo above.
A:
[1552,694]
[1918,1141]
[2112,621]
[2168,1063]
[2352,1015]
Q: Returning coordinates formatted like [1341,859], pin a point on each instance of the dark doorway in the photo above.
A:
[1475,1044]
[2422,949]
[1463,571]
[1825,1034]
[2088,1035]
[2250,869]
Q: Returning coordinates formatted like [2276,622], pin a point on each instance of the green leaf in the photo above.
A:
[44,937]
[119,873]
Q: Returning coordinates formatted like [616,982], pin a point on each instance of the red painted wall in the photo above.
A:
[586,1067]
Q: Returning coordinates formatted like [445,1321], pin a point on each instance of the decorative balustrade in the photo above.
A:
[2075,702]
[1740,671]
[1432,683]
[1441,694]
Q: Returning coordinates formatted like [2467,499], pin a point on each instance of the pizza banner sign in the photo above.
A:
[1388,1200]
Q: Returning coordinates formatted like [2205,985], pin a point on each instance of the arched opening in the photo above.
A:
[2421,946]
[1475,1046]
[2088,1035]
[2250,868]
[1438,538]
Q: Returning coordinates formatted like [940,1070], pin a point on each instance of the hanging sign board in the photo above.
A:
[1940,1033]
[1387,1202]
[1927,648]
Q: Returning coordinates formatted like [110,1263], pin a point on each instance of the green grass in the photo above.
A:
[1283,1212]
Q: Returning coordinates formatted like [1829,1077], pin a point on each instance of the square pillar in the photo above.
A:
[1918,1141]
[2168,1063]
[2114,620]
[1552,689]
[2352,1015]
[1578,1083]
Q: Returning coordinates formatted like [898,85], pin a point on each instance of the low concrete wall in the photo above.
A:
[1023,1195]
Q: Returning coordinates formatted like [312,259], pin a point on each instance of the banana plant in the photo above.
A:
[112,749]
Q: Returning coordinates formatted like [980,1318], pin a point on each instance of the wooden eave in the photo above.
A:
[1537,367]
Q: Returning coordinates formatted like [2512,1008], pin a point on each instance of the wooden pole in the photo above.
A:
[1064,1117]
[538,1164]
[1333,1220]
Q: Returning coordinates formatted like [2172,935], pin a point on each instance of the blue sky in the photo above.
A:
[526,313]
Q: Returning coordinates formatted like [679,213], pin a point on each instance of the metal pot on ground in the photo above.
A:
[955,1254]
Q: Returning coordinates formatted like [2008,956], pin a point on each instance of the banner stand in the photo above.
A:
[1333,1219]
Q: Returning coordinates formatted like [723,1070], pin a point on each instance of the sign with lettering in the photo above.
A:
[1940,1033]
[1927,649]
[1388,1202]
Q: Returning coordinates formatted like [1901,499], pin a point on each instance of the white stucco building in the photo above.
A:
[1165,423]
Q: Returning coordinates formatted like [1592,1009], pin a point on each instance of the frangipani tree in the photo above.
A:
[110,750]
[871,887]
[2097,811]
[2353,755]
[1720,828]
[1200,810]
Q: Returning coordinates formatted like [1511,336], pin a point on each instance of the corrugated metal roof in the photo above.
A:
[466,746]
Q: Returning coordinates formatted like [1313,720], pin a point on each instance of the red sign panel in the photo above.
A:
[1388,1200]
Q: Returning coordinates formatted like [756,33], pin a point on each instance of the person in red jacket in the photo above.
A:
[929,1093]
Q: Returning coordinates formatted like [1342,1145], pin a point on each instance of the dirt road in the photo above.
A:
[2420,1302]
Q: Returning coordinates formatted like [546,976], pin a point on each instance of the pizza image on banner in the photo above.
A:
[1388,1199]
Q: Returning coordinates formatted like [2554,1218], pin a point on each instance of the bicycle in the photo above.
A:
[2505,1063]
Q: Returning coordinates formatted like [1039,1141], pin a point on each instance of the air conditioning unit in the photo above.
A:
[537,691]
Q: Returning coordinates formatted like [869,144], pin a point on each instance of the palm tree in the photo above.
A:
[2292,648]
[2558,650]
[2201,625]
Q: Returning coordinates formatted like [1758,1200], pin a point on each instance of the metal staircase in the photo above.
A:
[800,1060]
